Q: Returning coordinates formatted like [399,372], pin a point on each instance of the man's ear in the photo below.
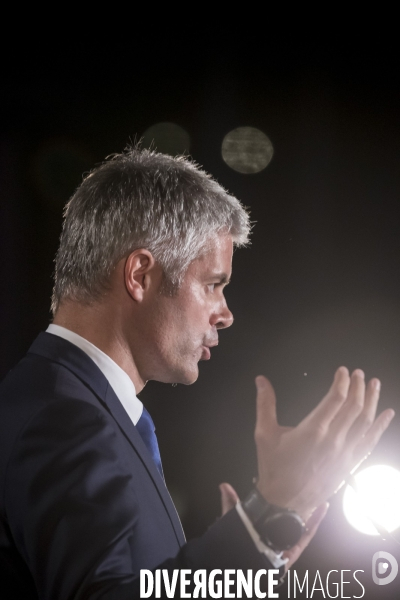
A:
[140,272]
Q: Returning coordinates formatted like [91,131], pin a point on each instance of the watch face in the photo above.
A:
[282,530]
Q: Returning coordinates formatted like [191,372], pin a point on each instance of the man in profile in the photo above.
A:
[144,256]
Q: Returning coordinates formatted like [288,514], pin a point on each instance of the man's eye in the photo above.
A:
[211,287]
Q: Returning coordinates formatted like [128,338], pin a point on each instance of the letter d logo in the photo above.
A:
[381,561]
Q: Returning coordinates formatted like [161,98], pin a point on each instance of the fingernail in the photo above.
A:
[390,416]
[342,371]
[359,373]
[377,384]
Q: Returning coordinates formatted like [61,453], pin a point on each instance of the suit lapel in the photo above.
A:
[73,358]
[134,437]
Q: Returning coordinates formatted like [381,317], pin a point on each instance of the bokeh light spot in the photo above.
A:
[247,150]
[376,499]
[168,138]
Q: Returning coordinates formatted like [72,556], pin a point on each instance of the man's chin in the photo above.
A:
[187,377]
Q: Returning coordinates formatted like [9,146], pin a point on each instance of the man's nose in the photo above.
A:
[224,318]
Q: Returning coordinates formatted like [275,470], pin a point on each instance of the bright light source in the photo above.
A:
[375,500]
[247,150]
[168,138]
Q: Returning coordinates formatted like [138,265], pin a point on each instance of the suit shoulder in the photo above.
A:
[35,382]
[38,389]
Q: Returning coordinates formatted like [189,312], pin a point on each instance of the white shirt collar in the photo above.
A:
[119,380]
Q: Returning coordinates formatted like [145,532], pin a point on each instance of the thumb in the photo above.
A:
[266,406]
[229,497]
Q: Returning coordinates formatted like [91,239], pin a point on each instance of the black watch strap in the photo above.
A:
[279,528]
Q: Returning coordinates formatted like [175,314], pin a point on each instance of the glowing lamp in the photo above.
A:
[371,503]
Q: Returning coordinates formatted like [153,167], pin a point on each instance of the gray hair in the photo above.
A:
[141,199]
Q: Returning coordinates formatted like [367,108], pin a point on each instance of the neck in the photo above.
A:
[101,326]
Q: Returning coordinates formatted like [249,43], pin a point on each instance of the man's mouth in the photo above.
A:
[206,354]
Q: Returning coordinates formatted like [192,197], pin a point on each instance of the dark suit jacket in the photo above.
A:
[82,506]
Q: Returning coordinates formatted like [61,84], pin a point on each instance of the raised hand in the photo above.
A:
[301,467]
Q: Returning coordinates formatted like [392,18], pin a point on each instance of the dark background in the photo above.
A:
[319,286]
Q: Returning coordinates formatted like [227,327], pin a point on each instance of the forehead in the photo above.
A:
[217,260]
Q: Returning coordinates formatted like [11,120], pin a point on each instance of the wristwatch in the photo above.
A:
[279,528]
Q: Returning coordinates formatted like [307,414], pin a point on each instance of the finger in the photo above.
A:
[367,417]
[229,497]
[330,405]
[372,437]
[266,408]
[351,409]
[311,528]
